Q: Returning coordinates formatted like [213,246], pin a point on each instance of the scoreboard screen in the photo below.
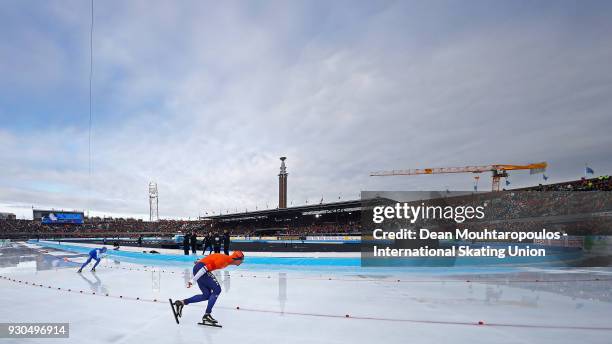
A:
[58,217]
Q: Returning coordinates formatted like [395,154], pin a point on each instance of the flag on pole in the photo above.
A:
[545,177]
[507,182]
[588,170]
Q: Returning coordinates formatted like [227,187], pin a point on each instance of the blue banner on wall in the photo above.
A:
[58,218]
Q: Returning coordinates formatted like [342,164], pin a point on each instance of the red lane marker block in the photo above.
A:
[93,293]
[347,316]
[137,298]
[154,300]
[237,307]
[481,322]
[106,294]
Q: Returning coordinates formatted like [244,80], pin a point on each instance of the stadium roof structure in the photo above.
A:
[333,207]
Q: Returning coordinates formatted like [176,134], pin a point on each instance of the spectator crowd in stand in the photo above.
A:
[136,229]
[519,207]
[601,183]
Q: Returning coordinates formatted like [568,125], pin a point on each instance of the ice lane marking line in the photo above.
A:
[441,322]
[79,291]
[417,321]
[596,279]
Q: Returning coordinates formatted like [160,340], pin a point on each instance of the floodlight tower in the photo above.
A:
[282,185]
[153,202]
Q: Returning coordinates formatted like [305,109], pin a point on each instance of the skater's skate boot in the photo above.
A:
[80,270]
[93,270]
[207,318]
[178,304]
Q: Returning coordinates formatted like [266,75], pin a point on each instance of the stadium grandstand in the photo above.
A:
[328,219]
[7,216]
[338,218]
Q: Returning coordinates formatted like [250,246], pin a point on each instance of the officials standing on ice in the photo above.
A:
[226,241]
[186,240]
[217,239]
[207,244]
[194,242]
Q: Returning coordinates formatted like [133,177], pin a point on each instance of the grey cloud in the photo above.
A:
[209,98]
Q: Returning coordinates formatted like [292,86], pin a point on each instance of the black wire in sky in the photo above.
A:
[90,96]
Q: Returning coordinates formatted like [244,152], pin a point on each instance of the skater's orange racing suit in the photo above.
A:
[215,261]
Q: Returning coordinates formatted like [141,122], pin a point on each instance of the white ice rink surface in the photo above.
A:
[298,306]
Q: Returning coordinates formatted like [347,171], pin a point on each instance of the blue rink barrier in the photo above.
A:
[311,261]
[557,257]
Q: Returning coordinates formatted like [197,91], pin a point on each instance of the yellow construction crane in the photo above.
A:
[497,171]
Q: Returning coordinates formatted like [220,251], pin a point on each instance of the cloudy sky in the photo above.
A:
[203,97]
